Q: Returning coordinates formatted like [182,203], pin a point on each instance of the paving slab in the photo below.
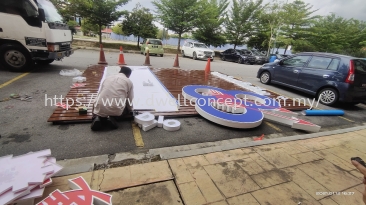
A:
[349,196]
[180,171]
[246,199]
[225,156]
[195,161]
[343,164]
[231,179]
[307,183]
[346,153]
[284,194]
[86,164]
[219,203]
[271,178]
[328,201]
[278,158]
[328,175]
[266,165]
[306,157]
[250,166]
[162,193]
[134,175]
[206,185]
[191,194]
[312,145]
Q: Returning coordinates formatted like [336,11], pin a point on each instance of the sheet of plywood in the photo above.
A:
[155,97]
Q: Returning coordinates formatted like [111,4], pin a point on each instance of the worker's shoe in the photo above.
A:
[112,123]
[96,124]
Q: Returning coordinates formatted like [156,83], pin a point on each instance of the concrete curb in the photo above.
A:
[86,164]
[168,153]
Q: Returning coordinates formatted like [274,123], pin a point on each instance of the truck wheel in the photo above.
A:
[15,58]
[44,62]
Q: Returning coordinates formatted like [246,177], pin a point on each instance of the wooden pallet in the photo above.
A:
[173,79]
[94,75]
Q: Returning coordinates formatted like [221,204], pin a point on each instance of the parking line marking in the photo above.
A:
[346,119]
[13,80]
[137,135]
[274,126]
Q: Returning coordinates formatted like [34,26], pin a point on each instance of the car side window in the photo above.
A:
[296,61]
[319,62]
[334,64]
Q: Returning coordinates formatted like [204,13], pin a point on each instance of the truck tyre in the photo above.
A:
[15,58]
[44,62]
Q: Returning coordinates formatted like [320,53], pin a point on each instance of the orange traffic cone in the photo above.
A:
[101,56]
[147,59]
[121,60]
[176,62]
[208,66]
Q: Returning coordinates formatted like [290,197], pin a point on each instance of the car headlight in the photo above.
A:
[53,48]
[200,51]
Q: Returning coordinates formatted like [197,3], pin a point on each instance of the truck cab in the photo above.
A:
[32,31]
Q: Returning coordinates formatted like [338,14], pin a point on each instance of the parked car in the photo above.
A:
[155,47]
[278,57]
[236,56]
[197,51]
[330,77]
[259,57]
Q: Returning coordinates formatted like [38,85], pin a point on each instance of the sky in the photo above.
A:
[345,8]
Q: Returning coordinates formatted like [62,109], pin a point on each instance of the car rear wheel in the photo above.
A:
[183,55]
[161,55]
[328,96]
[194,56]
[265,78]
[240,61]
[223,58]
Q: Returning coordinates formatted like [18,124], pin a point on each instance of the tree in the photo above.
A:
[272,19]
[87,28]
[139,23]
[209,26]
[259,41]
[99,12]
[179,16]
[298,19]
[163,34]
[337,35]
[72,25]
[117,29]
[242,20]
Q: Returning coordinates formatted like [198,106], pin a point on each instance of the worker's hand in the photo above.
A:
[362,169]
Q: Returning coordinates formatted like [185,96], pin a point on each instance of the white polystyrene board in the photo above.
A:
[144,118]
[35,193]
[150,126]
[17,173]
[10,196]
[155,97]
[171,125]
[160,121]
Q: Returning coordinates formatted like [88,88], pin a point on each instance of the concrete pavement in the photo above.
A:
[315,171]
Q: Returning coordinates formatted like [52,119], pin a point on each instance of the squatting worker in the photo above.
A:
[116,93]
[362,169]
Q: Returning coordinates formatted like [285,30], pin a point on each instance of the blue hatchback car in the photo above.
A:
[329,77]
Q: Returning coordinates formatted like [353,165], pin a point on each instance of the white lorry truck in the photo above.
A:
[32,31]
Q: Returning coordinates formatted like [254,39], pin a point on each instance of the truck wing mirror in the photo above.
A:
[41,15]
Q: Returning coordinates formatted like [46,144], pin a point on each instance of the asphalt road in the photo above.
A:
[24,126]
